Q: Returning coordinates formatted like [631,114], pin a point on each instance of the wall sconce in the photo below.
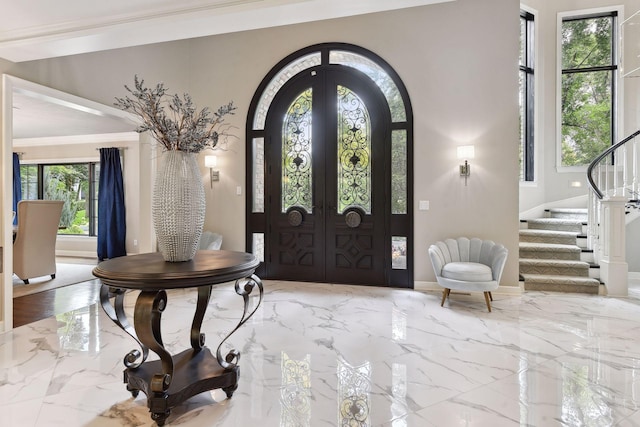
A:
[466,152]
[211,162]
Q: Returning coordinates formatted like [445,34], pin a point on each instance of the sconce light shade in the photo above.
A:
[466,152]
[210,161]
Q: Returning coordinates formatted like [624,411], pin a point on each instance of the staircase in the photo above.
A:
[553,254]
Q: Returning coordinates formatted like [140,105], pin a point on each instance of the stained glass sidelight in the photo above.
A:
[257,246]
[399,172]
[258,175]
[354,152]
[296,154]
[399,252]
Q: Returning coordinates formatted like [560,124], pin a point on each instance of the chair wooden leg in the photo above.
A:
[487,295]
[445,294]
[490,296]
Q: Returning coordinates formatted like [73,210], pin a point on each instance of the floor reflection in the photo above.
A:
[295,393]
[78,330]
[354,394]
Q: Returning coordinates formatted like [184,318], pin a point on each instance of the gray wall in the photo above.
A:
[458,61]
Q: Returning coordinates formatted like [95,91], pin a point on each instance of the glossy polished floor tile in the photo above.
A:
[334,355]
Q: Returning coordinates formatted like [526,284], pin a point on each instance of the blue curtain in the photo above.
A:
[17,185]
[112,228]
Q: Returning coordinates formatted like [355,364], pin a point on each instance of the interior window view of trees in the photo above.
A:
[588,82]
[76,184]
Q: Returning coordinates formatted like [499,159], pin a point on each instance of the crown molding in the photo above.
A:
[98,22]
[200,19]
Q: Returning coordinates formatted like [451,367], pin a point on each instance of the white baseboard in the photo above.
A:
[538,211]
[634,275]
[77,254]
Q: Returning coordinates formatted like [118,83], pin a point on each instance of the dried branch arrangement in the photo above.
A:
[182,127]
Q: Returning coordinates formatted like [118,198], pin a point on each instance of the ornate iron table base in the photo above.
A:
[170,381]
[194,372]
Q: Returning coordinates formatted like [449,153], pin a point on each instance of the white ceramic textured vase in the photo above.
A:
[178,206]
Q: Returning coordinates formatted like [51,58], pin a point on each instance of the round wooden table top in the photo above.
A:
[151,272]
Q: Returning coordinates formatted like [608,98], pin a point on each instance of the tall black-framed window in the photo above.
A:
[74,183]
[588,86]
[527,111]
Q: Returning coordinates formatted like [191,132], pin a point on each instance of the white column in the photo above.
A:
[613,262]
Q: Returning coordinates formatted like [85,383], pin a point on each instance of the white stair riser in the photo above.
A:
[587,257]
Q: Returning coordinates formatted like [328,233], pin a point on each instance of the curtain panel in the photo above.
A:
[112,228]
[17,185]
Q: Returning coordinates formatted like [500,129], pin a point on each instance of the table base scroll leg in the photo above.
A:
[134,358]
[197,338]
[147,317]
[243,287]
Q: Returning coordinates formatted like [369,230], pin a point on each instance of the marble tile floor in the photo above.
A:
[335,355]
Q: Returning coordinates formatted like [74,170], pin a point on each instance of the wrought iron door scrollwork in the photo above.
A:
[354,151]
[243,287]
[296,153]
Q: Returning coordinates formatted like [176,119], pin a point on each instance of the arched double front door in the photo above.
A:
[325,153]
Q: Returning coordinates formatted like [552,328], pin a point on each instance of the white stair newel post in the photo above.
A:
[634,186]
[592,224]
[613,264]
[624,172]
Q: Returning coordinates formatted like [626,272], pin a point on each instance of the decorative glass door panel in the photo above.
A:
[354,152]
[297,170]
[327,150]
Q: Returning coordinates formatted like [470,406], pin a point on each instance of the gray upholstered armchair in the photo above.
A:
[34,249]
[468,265]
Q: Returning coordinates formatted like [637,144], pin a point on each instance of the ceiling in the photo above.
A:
[39,29]
[40,116]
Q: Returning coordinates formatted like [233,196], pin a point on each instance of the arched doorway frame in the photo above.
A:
[400,223]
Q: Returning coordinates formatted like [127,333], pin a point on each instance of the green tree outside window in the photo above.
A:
[588,78]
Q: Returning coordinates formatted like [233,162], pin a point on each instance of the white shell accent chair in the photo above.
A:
[34,249]
[468,265]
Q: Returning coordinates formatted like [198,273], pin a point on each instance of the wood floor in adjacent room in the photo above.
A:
[34,307]
[31,308]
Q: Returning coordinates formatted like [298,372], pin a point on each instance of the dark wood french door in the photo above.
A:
[327,181]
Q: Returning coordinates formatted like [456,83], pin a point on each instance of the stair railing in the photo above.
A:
[609,173]
[614,181]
